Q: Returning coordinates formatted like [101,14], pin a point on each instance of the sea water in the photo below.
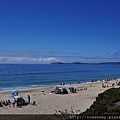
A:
[25,76]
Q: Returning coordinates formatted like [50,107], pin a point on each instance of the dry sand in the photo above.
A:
[48,103]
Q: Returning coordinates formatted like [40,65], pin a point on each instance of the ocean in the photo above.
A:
[26,76]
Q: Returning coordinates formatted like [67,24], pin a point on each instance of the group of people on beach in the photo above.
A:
[15,102]
[20,101]
[107,84]
[5,103]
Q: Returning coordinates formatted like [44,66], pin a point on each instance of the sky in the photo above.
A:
[45,31]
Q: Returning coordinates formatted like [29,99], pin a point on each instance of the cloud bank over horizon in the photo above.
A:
[36,57]
[25,56]
[27,60]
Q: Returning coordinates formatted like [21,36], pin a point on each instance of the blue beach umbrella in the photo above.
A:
[13,94]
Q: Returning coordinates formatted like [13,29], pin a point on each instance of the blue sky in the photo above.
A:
[45,31]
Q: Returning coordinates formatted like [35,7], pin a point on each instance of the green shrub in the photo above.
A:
[104,101]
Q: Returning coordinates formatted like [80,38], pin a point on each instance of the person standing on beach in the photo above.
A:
[28,99]
[17,92]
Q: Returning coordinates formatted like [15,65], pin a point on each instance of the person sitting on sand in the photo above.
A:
[20,102]
[14,101]
[1,104]
[6,103]
[9,103]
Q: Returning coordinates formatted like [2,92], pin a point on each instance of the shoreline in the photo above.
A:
[32,88]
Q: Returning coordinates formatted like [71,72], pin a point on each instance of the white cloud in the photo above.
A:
[27,60]
[25,56]
[48,59]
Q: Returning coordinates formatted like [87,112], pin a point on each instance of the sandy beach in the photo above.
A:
[48,102]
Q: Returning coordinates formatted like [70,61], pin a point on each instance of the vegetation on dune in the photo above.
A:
[106,103]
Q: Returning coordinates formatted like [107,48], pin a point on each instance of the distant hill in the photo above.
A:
[86,63]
